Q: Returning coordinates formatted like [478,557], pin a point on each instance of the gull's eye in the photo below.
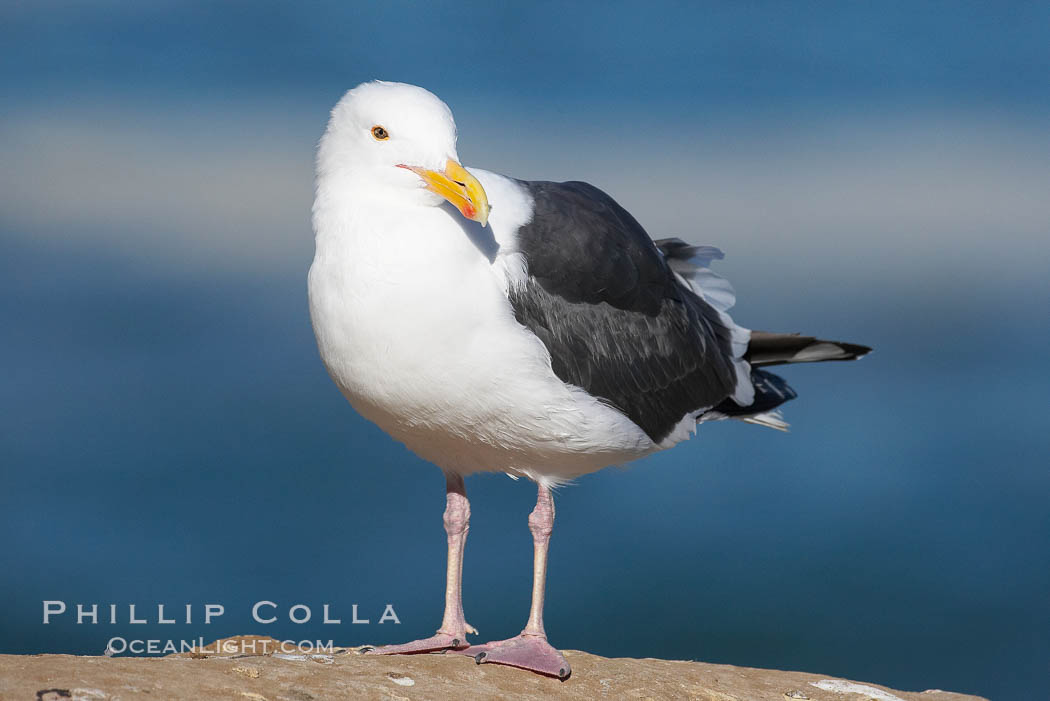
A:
[380,133]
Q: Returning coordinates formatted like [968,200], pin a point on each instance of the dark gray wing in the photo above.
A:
[612,314]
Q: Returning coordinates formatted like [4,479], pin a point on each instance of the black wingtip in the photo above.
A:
[854,351]
[780,348]
[858,350]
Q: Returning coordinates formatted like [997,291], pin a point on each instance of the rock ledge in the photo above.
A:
[300,675]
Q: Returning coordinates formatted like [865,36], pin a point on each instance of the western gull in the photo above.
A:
[530,328]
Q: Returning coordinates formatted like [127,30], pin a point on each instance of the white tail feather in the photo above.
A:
[770,419]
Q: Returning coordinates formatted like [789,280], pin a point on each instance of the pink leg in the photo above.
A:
[452,635]
[530,650]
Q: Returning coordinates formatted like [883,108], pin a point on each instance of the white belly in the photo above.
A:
[416,330]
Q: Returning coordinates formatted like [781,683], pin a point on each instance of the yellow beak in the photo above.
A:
[458,187]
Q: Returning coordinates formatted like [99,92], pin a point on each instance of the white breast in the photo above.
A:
[413,323]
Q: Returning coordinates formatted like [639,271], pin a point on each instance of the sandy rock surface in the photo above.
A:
[256,671]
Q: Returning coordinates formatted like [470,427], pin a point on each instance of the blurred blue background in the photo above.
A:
[876,172]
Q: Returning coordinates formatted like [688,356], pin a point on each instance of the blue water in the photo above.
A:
[173,438]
